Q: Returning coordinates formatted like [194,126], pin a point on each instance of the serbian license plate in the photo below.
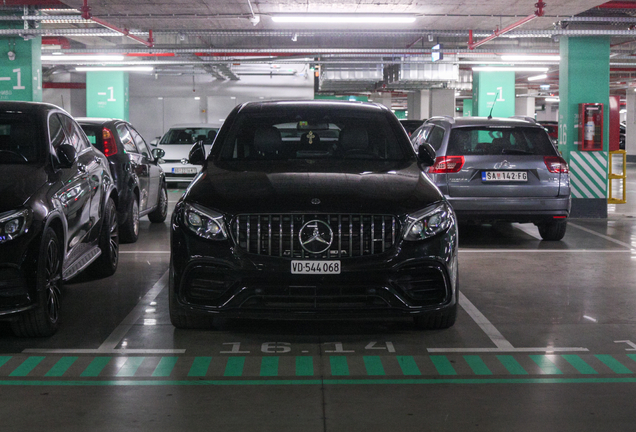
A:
[517,176]
[315,267]
[184,170]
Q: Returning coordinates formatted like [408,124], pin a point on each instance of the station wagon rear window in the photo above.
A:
[500,140]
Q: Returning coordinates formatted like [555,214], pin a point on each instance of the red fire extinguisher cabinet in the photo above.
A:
[590,127]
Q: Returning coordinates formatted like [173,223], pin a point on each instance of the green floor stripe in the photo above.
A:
[512,365]
[4,359]
[339,366]
[96,367]
[234,366]
[477,365]
[27,366]
[631,356]
[443,365]
[613,364]
[61,367]
[129,368]
[579,364]
[408,365]
[373,365]
[200,366]
[304,366]
[317,382]
[546,365]
[269,366]
[165,366]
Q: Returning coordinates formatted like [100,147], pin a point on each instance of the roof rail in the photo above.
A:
[526,118]
[450,119]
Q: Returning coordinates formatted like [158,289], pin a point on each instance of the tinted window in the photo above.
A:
[126,138]
[318,133]
[56,132]
[18,139]
[435,137]
[499,140]
[73,134]
[94,135]
[139,142]
[189,136]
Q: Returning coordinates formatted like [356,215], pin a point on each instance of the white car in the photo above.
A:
[177,143]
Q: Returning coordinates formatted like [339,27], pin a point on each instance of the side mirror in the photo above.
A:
[426,154]
[197,154]
[158,153]
[155,141]
[66,155]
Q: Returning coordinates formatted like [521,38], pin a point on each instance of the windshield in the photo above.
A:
[189,135]
[311,133]
[491,140]
[18,139]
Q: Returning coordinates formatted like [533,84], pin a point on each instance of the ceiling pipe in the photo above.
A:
[538,13]
[86,14]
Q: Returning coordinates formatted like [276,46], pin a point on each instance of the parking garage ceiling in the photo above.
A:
[218,38]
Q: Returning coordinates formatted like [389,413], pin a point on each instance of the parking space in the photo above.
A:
[544,329]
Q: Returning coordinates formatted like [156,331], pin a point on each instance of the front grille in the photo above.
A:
[354,235]
[313,297]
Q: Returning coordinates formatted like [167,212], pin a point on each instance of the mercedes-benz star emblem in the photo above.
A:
[184,161]
[315,201]
[315,236]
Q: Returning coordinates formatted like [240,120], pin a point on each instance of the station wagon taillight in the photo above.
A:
[447,164]
[556,164]
[110,146]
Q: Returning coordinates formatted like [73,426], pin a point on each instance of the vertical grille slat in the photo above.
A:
[354,235]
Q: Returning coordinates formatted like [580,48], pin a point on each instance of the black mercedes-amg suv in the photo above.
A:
[313,209]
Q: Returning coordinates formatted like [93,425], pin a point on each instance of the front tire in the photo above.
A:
[160,213]
[44,319]
[129,230]
[106,264]
[553,230]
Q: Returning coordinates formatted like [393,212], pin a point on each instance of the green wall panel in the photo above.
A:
[21,78]
[494,91]
[467,107]
[107,94]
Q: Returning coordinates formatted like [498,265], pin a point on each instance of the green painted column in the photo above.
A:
[107,94]
[584,78]
[494,88]
[467,107]
[20,67]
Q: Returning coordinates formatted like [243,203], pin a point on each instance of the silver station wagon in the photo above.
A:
[499,170]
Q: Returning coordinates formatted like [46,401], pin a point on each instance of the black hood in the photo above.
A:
[18,183]
[341,186]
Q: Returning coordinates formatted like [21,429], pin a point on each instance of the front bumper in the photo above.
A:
[17,275]
[172,175]
[525,209]
[216,277]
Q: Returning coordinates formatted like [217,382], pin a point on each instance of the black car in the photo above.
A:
[140,180]
[57,213]
[313,227]
[411,125]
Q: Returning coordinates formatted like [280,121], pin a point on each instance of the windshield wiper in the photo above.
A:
[515,151]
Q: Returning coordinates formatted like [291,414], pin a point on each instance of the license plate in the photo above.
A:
[184,170]
[517,176]
[315,267]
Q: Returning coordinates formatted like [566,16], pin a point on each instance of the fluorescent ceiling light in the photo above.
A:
[531,57]
[58,57]
[537,77]
[344,18]
[509,69]
[552,99]
[115,69]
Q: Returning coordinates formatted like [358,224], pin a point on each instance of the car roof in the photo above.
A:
[273,106]
[96,120]
[28,106]
[484,121]
[195,125]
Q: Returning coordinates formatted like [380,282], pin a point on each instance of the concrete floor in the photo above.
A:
[545,341]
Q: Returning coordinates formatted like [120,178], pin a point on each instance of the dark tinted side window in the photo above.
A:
[139,142]
[126,138]
[75,137]
[499,140]
[435,137]
[56,131]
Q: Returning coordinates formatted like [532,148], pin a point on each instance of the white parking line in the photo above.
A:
[608,238]
[108,347]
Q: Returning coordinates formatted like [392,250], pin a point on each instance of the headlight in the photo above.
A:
[428,222]
[14,224]
[204,222]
